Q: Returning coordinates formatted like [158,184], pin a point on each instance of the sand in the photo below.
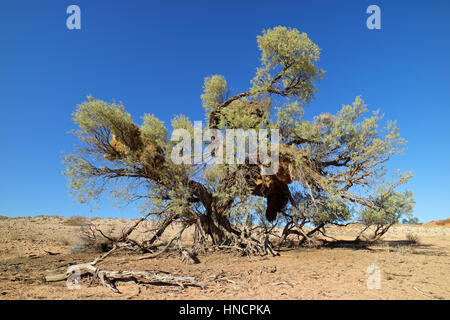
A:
[32,248]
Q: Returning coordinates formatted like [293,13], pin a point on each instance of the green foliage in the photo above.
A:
[360,138]
[392,205]
[288,60]
[241,114]
[154,130]
[248,211]
[183,122]
[334,210]
[411,221]
[82,178]
[288,120]
[323,210]
[98,119]
[214,91]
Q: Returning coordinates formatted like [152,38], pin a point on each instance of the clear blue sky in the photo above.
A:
[153,56]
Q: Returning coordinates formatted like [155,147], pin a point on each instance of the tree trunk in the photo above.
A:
[215,224]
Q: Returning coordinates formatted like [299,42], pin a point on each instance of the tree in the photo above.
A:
[411,221]
[330,167]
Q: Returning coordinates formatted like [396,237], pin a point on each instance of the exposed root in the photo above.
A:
[187,256]
[160,252]
[268,247]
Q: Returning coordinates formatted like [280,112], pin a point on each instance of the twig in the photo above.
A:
[427,295]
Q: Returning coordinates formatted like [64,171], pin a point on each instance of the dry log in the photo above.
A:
[108,277]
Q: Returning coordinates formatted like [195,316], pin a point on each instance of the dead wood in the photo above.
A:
[109,277]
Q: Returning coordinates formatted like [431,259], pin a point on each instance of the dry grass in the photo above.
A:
[413,238]
[86,245]
[77,221]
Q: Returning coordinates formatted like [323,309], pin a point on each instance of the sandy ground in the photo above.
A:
[32,248]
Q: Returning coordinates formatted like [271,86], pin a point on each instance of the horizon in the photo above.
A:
[154,56]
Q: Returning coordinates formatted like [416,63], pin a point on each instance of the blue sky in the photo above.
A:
[153,56]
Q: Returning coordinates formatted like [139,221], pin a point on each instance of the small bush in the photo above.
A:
[412,238]
[76,221]
[63,239]
[90,240]
[84,245]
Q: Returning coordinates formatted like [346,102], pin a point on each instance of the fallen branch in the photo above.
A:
[220,277]
[109,277]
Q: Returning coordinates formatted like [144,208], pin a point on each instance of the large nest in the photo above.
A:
[139,148]
[273,187]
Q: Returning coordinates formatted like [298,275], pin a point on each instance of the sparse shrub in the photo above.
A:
[412,238]
[77,221]
[84,245]
[3,217]
[63,239]
[392,205]
[91,240]
[47,217]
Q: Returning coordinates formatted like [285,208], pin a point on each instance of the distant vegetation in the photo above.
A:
[411,220]
[76,221]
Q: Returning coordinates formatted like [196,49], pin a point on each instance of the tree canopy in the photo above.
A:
[332,169]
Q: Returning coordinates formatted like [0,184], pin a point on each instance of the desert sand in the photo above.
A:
[32,248]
